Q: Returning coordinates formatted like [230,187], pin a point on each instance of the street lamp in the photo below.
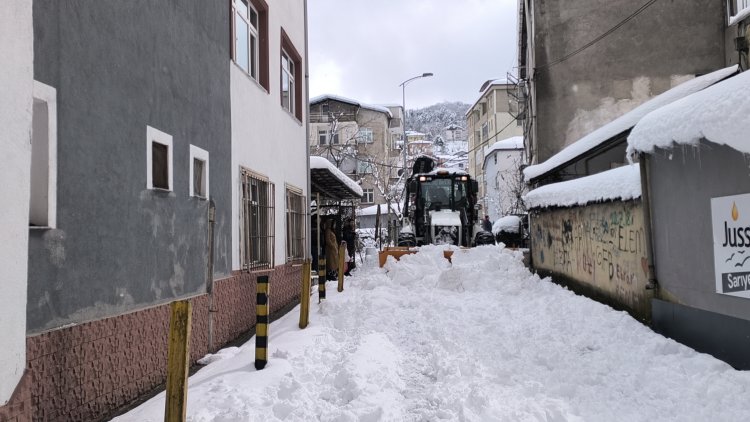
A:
[403,104]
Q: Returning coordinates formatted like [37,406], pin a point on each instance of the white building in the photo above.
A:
[16,109]
[503,185]
[269,151]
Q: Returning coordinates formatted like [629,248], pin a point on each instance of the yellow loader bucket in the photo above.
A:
[399,251]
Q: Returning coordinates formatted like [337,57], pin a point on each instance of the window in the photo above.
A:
[368,196]
[736,6]
[322,137]
[291,75]
[364,167]
[485,131]
[364,135]
[335,139]
[257,221]
[198,172]
[43,198]
[295,224]
[250,38]
[158,159]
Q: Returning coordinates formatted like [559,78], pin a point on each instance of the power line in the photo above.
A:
[600,37]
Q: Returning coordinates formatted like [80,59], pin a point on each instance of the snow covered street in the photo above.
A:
[482,339]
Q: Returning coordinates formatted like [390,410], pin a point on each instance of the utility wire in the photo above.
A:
[599,38]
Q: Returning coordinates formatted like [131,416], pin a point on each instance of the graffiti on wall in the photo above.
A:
[599,245]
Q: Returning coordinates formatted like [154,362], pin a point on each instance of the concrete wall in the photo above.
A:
[661,47]
[683,238]
[599,248]
[265,138]
[119,246]
[16,93]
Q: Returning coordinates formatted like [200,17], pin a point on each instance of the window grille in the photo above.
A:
[258,221]
[295,225]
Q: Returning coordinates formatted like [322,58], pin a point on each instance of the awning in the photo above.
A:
[330,182]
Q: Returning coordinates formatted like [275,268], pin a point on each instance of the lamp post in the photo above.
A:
[403,104]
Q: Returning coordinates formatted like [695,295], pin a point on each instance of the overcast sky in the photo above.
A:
[363,49]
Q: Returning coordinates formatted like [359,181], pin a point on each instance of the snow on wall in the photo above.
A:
[626,122]
[718,113]
[622,183]
[16,94]
[515,142]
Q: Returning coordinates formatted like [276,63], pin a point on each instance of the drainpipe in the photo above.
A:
[308,233]
[210,273]
[648,223]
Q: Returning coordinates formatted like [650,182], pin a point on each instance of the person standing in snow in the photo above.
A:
[486,224]
[350,237]
[332,250]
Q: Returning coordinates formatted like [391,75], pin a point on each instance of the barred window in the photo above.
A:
[295,224]
[258,221]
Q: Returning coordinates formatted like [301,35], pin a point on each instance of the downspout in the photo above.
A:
[210,273]
[648,223]
[308,233]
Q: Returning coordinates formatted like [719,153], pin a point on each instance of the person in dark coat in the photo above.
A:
[487,224]
[350,237]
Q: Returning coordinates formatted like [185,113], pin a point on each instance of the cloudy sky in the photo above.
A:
[363,49]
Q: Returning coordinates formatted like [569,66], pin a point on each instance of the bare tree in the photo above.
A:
[511,188]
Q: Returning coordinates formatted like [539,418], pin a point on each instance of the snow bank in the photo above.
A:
[321,163]
[626,122]
[720,114]
[620,183]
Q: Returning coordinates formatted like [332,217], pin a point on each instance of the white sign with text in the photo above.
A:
[730,218]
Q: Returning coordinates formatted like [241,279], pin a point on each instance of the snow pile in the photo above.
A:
[507,224]
[720,114]
[622,183]
[626,122]
[321,163]
[481,339]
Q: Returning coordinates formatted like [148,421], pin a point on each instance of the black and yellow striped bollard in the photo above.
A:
[261,324]
[304,297]
[321,279]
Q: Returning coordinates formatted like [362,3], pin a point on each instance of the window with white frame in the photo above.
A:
[364,136]
[737,6]
[287,83]
[43,195]
[258,220]
[158,159]
[250,33]
[335,138]
[322,137]
[368,196]
[291,75]
[198,172]
[295,224]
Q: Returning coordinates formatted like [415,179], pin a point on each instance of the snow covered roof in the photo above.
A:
[321,98]
[625,122]
[329,181]
[423,142]
[620,183]
[718,113]
[414,133]
[515,142]
[507,224]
